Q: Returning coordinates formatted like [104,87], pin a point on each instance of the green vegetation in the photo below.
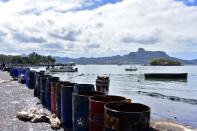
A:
[164,62]
[33,59]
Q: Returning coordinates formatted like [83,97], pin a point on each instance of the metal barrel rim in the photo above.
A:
[128,107]
[90,93]
[104,99]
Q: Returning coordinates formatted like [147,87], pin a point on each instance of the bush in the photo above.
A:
[165,62]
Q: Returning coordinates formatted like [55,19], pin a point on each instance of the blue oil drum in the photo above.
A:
[66,106]
[48,90]
[23,70]
[31,79]
[15,73]
[19,71]
[37,84]
[61,84]
[11,71]
[81,109]
[27,78]
[43,80]
[83,88]
[34,75]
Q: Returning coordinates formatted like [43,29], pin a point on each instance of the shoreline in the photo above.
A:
[19,97]
[170,125]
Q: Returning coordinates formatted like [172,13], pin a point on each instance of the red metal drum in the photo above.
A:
[54,97]
[96,110]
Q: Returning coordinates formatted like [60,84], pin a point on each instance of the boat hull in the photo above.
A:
[165,76]
[130,69]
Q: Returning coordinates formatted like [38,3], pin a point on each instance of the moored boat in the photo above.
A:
[165,75]
[62,69]
[131,68]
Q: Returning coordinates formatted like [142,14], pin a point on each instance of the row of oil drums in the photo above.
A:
[81,108]
[19,73]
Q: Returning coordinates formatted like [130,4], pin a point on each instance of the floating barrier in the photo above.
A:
[165,76]
[43,80]
[83,88]
[96,113]
[48,90]
[127,117]
[81,109]
[102,83]
[66,106]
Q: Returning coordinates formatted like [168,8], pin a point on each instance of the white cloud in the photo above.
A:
[112,29]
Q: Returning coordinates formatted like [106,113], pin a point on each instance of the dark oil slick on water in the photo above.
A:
[169,100]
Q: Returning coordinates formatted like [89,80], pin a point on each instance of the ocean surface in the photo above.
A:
[169,100]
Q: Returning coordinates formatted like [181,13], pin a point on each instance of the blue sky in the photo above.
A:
[4,0]
[189,2]
[94,28]
[98,3]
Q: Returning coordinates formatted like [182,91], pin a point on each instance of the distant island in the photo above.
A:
[142,57]
[164,62]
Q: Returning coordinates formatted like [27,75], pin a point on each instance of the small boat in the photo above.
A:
[62,69]
[165,76]
[131,68]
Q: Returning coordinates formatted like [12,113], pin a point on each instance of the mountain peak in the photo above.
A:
[141,50]
[142,56]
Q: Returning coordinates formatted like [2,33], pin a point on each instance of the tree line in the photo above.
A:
[165,62]
[32,58]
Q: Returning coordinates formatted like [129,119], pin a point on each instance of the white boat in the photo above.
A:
[131,68]
[62,69]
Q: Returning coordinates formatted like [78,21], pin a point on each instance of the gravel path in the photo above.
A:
[15,97]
